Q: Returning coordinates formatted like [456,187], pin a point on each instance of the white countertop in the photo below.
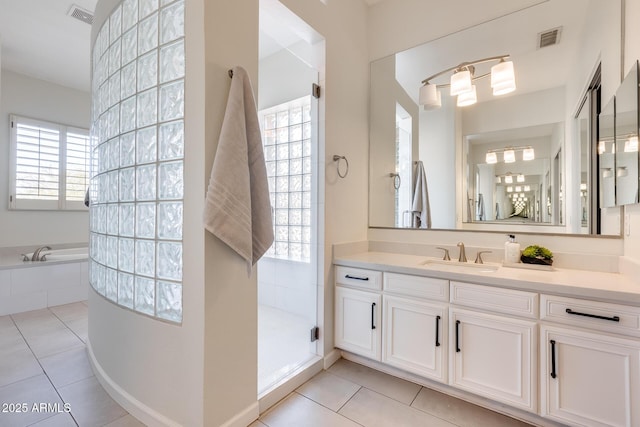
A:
[609,287]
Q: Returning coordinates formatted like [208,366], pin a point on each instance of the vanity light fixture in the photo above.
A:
[462,81]
[583,186]
[509,154]
[631,144]
[520,178]
[509,189]
[518,188]
[607,172]
[601,147]
[621,171]
[527,188]
[508,178]
[498,180]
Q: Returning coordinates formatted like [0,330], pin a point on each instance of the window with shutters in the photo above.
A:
[49,165]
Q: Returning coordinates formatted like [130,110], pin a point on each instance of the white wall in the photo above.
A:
[283,77]
[438,153]
[26,96]
[512,112]
[204,372]
[156,369]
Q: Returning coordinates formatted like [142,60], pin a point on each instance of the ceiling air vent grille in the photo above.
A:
[81,14]
[549,38]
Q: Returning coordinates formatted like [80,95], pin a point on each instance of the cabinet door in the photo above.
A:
[589,379]
[494,356]
[414,337]
[358,322]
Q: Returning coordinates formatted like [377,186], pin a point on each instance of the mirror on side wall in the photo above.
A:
[626,137]
[550,191]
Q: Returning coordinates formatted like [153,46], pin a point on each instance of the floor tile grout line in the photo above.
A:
[416,396]
[335,412]
[67,326]
[349,399]
[44,371]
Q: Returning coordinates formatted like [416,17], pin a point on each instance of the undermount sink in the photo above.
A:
[456,266]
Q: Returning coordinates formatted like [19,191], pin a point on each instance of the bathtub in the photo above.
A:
[30,285]
[63,254]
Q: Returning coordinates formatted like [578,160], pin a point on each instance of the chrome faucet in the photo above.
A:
[462,257]
[36,254]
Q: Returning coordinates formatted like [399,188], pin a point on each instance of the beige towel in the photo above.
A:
[238,210]
[421,208]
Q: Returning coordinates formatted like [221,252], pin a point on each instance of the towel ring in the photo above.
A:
[337,158]
[397,181]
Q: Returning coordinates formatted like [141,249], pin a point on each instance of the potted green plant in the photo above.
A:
[535,254]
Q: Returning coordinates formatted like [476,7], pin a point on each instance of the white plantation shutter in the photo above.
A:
[77,165]
[50,164]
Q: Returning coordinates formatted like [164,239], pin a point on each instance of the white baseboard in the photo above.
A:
[246,417]
[139,410]
[331,358]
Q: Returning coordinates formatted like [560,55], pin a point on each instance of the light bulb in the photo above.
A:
[430,97]
[468,98]
[491,158]
[509,156]
[460,82]
[503,79]
[528,154]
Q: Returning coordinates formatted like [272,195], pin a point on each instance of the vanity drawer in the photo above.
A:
[496,300]
[417,286]
[602,316]
[359,278]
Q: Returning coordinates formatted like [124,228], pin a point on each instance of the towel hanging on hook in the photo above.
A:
[337,158]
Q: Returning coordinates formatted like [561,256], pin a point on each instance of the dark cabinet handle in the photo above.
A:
[595,316]
[457,336]
[553,358]
[348,276]
[437,331]
[373,308]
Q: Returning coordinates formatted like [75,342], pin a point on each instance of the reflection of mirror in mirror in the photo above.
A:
[520,191]
[606,155]
[626,134]
[549,83]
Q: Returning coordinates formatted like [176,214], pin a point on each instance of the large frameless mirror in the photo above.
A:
[475,158]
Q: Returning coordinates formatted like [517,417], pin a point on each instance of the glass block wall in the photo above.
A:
[286,130]
[137,137]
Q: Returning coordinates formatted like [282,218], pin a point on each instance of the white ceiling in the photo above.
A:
[38,39]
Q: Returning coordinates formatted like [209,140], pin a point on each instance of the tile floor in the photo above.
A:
[43,359]
[349,394]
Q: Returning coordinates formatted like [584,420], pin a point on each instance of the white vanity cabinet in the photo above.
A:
[493,354]
[589,375]
[414,335]
[358,308]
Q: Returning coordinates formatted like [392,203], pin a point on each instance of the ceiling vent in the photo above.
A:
[82,14]
[549,37]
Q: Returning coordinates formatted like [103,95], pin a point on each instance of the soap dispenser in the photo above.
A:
[512,250]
